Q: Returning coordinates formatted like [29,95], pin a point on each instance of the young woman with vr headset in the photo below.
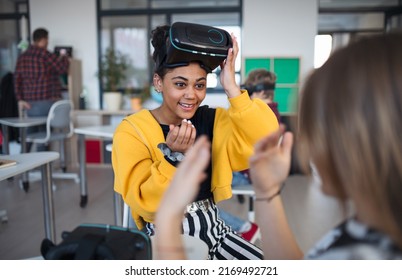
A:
[148,145]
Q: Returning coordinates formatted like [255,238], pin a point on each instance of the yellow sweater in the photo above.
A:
[142,174]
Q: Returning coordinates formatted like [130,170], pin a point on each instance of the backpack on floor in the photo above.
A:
[99,242]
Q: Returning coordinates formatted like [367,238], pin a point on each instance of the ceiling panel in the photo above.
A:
[354,15]
[356,3]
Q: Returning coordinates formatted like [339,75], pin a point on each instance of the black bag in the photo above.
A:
[9,104]
[99,242]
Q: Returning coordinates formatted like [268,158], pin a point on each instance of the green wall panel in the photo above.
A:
[287,70]
[287,99]
[255,63]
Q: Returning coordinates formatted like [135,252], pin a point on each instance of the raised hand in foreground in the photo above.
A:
[269,167]
[182,191]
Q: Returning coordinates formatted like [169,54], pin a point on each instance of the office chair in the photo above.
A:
[59,127]
[128,221]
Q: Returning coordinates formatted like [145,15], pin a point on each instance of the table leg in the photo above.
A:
[118,206]
[48,206]
[83,175]
[25,179]
[251,215]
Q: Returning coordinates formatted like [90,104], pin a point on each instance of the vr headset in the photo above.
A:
[190,42]
[258,87]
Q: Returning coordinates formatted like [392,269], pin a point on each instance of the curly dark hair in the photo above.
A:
[158,40]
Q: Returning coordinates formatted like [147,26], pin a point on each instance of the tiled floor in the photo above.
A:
[310,213]
[21,237]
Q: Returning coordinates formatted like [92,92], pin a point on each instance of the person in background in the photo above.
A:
[353,148]
[37,76]
[260,83]
[148,145]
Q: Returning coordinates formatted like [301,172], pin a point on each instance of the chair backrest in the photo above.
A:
[59,117]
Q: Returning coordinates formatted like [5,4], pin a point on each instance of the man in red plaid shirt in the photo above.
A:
[37,76]
[37,82]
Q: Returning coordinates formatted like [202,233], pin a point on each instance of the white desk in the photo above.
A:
[22,124]
[105,115]
[103,131]
[26,162]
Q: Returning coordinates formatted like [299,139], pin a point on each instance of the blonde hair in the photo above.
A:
[349,121]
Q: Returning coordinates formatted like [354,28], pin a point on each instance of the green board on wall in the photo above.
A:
[287,70]
[287,99]
[255,63]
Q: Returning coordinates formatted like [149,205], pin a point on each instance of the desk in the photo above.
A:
[22,124]
[26,162]
[105,115]
[104,131]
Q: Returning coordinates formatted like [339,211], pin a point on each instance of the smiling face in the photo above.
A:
[183,89]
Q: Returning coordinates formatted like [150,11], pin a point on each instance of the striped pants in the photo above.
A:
[222,241]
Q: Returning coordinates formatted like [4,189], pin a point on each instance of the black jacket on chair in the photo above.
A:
[8,102]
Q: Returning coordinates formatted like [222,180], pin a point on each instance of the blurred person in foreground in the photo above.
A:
[260,83]
[352,147]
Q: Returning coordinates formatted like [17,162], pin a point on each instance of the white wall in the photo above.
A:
[280,28]
[72,22]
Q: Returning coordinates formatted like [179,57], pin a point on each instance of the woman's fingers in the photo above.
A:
[287,143]
[187,127]
[270,140]
[182,137]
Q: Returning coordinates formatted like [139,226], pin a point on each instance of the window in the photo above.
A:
[13,28]
[322,49]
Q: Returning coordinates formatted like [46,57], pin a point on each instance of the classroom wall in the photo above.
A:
[281,28]
[72,23]
[271,28]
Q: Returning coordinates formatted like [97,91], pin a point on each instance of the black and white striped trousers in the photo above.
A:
[222,241]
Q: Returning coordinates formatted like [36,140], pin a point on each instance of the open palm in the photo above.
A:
[270,164]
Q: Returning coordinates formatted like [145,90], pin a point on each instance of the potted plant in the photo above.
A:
[112,72]
[138,96]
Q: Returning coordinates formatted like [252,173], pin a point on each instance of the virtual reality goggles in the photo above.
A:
[258,87]
[190,42]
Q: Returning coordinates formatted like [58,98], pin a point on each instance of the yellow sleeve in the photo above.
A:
[140,176]
[237,129]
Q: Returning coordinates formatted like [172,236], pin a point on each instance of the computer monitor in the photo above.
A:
[68,49]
